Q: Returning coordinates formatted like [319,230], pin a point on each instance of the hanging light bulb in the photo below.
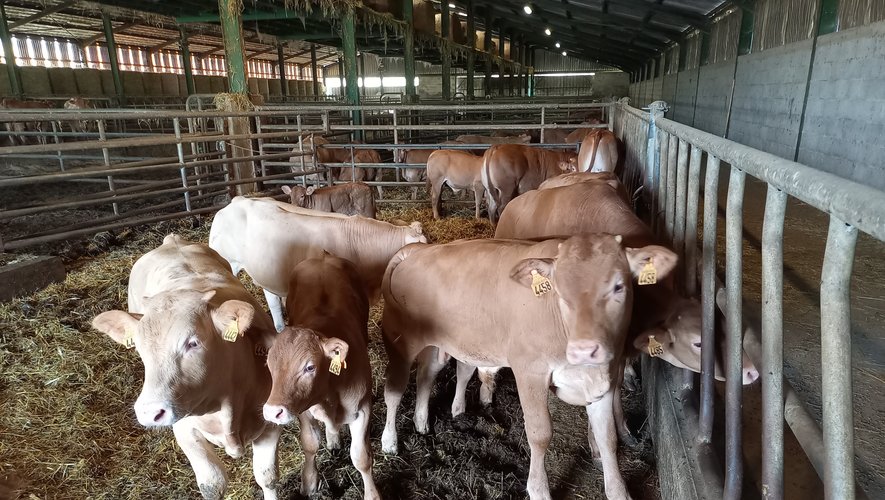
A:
[563,53]
[547,31]
[527,9]
[452,6]
[557,45]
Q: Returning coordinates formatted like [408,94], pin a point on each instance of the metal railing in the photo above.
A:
[666,157]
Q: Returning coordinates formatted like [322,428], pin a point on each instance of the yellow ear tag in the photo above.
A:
[540,284]
[232,331]
[129,340]
[337,364]
[655,348]
[648,275]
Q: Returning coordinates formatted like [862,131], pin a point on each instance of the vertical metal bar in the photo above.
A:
[176,124]
[708,299]
[487,48]
[679,214]
[15,83]
[773,345]
[260,145]
[543,117]
[112,57]
[673,162]
[61,158]
[471,53]
[107,162]
[500,84]
[691,222]
[445,51]
[409,52]
[396,141]
[660,205]
[734,334]
[836,390]
[300,148]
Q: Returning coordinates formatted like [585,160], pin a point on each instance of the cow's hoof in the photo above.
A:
[388,443]
[629,440]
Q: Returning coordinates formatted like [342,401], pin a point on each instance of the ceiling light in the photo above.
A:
[527,9]
[547,31]
[557,45]
[563,53]
[452,6]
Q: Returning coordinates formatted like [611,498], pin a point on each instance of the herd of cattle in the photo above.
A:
[19,132]
[572,288]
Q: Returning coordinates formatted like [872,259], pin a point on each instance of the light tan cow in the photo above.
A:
[201,337]
[512,169]
[577,177]
[267,238]
[485,139]
[457,169]
[79,104]
[342,155]
[413,156]
[474,299]
[599,152]
[18,129]
[320,365]
[353,198]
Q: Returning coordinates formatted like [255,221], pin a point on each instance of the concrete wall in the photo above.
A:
[668,89]
[682,106]
[714,88]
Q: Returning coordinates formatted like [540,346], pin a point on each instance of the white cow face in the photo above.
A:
[187,363]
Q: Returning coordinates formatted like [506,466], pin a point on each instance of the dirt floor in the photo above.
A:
[67,429]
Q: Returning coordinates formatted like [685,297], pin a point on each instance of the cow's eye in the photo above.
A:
[619,287]
[192,343]
[310,368]
[697,345]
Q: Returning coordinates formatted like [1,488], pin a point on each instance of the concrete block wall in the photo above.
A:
[768,94]
[714,89]
[668,89]
[682,106]
[844,122]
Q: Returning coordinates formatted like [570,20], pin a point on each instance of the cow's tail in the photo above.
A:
[398,257]
[593,137]
[493,193]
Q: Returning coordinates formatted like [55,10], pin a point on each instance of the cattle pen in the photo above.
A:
[724,112]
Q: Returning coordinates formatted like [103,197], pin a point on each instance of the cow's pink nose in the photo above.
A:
[277,414]
[154,414]
[587,352]
[750,375]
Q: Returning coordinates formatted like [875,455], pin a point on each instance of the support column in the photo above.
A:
[445,51]
[471,54]
[531,79]
[281,63]
[361,59]
[313,70]
[487,47]
[11,69]
[232,29]
[409,49]
[501,63]
[341,75]
[348,40]
[186,61]
[112,57]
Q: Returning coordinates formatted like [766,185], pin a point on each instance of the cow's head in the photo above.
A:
[569,164]
[592,277]
[180,339]
[297,194]
[680,338]
[300,363]
[414,231]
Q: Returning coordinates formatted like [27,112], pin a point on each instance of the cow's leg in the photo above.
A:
[591,439]
[361,449]
[603,424]
[478,191]
[429,365]
[264,460]
[397,376]
[210,473]
[488,384]
[310,443]
[464,373]
[414,193]
[436,198]
[275,303]
[532,387]
[492,203]
[620,419]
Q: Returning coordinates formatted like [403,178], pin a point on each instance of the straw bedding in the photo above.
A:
[67,429]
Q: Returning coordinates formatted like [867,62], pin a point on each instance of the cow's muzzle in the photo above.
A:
[155,413]
[587,352]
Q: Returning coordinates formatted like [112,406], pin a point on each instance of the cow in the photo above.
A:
[474,300]
[599,152]
[79,104]
[353,198]
[320,365]
[564,136]
[512,169]
[457,169]
[576,177]
[343,155]
[267,238]
[201,337]
[413,156]
[485,139]
[17,130]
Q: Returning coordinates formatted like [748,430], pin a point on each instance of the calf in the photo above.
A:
[201,336]
[353,198]
[457,169]
[320,365]
[474,299]
[77,104]
[599,152]
[512,169]
[413,156]
[267,238]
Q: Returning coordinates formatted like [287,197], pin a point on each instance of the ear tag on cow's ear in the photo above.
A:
[337,364]
[655,348]
[232,331]
[129,339]
[648,275]
[540,284]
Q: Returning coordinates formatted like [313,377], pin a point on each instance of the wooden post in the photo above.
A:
[501,63]
[409,52]
[112,57]
[487,47]
[361,59]
[232,29]
[281,64]
[313,70]
[348,40]
[186,61]
[444,51]
[471,54]
[11,69]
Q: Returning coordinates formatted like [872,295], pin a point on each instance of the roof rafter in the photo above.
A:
[41,14]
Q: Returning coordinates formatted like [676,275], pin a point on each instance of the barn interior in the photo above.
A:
[750,143]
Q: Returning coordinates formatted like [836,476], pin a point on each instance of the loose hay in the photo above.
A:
[68,429]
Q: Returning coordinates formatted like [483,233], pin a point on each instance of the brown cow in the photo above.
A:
[342,155]
[353,198]
[267,238]
[79,104]
[485,139]
[320,365]
[18,129]
[201,336]
[568,338]
[413,156]
[457,169]
[599,152]
[577,177]
[512,169]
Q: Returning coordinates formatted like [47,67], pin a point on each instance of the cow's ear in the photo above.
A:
[663,259]
[522,271]
[334,346]
[120,326]
[233,315]
[286,189]
[310,190]
[661,335]
[417,227]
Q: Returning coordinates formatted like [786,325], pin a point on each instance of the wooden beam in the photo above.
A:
[268,50]
[11,68]
[162,45]
[119,29]
[112,57]
[42,14]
